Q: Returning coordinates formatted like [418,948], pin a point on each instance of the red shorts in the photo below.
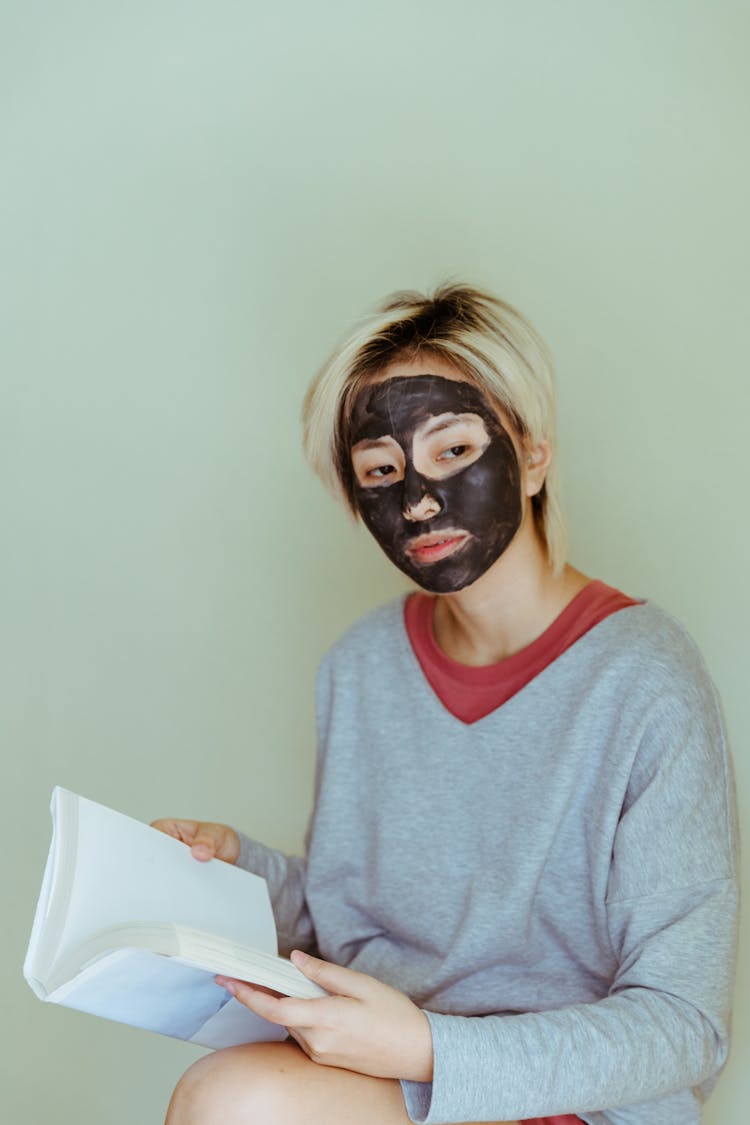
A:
[566,1119]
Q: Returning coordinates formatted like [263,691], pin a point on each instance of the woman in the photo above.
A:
[520,884]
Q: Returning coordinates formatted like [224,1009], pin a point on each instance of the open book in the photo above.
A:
[130,927]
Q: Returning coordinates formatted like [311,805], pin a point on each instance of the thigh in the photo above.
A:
[276,1082]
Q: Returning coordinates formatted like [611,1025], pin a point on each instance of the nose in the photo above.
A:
[417,503]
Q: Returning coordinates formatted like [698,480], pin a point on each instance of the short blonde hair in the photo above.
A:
[487,340]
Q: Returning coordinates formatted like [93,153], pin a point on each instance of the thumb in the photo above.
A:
[333,978]
[215,840]
[206,842]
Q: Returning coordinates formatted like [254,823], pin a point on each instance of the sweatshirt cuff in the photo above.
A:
[457,1091]
[417,1099]
[418,1095]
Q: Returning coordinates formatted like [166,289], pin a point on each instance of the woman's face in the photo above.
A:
[436,475]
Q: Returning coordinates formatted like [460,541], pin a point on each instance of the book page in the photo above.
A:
[233,960]
[207,952]
[141,988]
[166,996]
[127,871]
[42,939]
[233,1024]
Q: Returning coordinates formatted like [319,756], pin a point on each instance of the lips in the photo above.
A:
[436,545]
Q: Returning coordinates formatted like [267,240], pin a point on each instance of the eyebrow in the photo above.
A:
[445,424]
[373,443]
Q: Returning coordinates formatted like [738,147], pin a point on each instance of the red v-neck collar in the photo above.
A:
[470,692]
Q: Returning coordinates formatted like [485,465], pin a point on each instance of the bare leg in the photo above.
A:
[274,1083]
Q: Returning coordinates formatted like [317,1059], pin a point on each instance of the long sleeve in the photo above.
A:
[671,910]
[641,1042]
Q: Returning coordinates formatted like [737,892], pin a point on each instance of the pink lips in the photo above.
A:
[435,546]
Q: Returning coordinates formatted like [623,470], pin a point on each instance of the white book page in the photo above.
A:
[34,960]
[126,871]
[163,995]
[233,1024]
[143,989]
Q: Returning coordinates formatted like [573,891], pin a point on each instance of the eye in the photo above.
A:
[377,464]
[381,471]
[453,452]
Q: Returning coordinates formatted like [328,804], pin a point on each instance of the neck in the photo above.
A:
[508,607]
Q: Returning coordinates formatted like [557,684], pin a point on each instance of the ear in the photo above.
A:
[536,461]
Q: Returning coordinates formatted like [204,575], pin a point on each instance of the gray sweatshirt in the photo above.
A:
[554,884]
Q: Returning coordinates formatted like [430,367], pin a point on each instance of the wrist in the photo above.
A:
[422,1055]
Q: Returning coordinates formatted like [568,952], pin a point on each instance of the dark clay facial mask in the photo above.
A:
[436,478]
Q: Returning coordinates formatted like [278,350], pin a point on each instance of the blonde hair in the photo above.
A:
[487,340]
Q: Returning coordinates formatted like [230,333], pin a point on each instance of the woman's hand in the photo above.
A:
[206,840]
[363,1025]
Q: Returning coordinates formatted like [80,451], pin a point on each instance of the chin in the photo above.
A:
[447,582]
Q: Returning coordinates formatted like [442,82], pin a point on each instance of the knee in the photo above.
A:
[226,1087]
[196,1097]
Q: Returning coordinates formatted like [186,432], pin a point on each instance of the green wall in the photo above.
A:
[197,199]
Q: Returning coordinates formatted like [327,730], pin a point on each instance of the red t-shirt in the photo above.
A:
[469,692]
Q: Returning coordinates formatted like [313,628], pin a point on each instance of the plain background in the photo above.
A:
[199,198]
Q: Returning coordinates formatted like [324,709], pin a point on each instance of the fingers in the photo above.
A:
[287,1011]
[205,839]
[183,830]
[333,978]
[292,1011]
